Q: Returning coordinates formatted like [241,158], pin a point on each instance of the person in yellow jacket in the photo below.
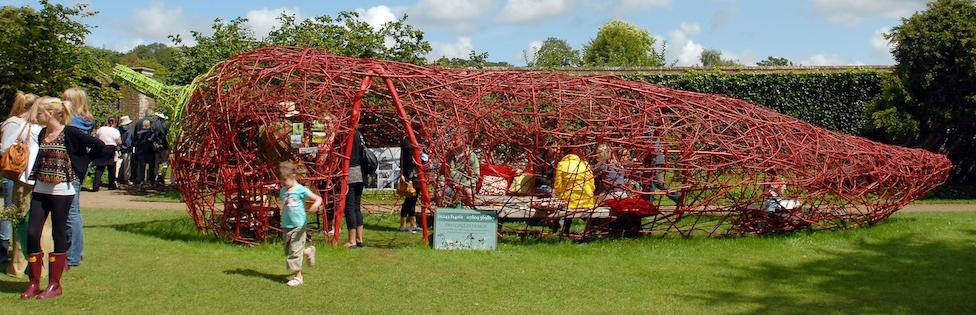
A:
[574,181]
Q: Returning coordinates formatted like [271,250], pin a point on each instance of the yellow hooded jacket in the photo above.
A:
[574,182]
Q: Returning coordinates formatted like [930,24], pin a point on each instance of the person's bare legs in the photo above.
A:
[352,237]
[359,235]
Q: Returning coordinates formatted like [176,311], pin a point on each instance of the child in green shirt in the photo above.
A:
[293,216]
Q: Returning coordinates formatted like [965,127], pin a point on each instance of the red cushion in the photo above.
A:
[503,171]
[631,205]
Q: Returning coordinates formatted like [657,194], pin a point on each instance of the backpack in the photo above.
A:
[13,162]
[369,161]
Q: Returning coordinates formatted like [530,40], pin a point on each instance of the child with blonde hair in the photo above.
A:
[293,219]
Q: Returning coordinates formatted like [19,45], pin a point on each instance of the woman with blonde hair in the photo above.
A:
[55,171]
[76,100]
[17,187]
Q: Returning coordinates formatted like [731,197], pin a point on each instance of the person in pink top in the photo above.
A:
[112,138]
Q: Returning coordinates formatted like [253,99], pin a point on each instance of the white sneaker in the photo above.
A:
[296,281]
[310,255]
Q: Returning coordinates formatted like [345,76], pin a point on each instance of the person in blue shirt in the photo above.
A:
[293,197]
[82,119]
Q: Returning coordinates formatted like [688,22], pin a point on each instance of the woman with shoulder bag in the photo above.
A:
[19,129]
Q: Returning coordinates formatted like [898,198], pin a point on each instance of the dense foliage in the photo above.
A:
[619,43]
[42,52]
[931,100]
[345,35]
[837,100]
[711,58]
[553,53]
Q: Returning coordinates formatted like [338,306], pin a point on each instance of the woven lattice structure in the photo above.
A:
[723,166]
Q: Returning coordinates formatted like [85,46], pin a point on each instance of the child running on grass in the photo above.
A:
[293,215]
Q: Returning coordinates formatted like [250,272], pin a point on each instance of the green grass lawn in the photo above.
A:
[155,262]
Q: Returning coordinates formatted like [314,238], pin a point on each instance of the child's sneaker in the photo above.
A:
[405,229]
[310,255]
[296,281]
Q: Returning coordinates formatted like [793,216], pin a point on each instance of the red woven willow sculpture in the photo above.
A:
[722,166]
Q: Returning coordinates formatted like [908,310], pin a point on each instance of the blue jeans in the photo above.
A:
[6,229]
[76,240]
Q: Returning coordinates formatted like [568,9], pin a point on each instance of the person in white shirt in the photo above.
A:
[17,188]
[112,138]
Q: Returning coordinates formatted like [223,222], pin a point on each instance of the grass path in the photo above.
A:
[154,261]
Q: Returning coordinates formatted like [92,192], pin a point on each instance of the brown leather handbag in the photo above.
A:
[13,162]
[404,188]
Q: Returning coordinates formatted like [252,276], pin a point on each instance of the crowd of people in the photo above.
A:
[48,144]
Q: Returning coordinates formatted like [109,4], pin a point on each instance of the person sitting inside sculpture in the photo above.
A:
[774,192]
[574,180]
[543,167]
[654,162]
[464,169]
[611,182]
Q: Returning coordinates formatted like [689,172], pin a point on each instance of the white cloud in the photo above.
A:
[633,4]
[824,60]
[690,54]
[449,11]
[530,51]
[156,21]
[534,47]
[262,21]
[528,11]
[459,49]
[687,52]
[377,16]
[625,7]
[723,17]
[853,11]
[881,46]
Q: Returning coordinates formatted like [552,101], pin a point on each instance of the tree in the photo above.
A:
[228,40]
[934,90]
[618,43]
[775,62]
[157,56]
[349,35]
[346,35]
[475,60]
[41,50]
[554,53]
[711,58]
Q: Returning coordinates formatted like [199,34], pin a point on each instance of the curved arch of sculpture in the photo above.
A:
[721,155]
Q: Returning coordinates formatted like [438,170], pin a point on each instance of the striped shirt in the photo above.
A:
[53,162]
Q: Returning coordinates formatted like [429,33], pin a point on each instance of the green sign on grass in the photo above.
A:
[456,228]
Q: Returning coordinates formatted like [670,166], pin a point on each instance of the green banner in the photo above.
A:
[456,228]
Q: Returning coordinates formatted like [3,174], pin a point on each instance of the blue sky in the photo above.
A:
[809,32]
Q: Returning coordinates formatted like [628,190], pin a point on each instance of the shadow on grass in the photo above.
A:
[904,274]
[9,285]
[180,229]
[257,274]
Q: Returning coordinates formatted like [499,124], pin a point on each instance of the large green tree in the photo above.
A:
[346,34]
[711,58]
[619,43]
[228,39]
[934,89]
[41,50]
[554,53]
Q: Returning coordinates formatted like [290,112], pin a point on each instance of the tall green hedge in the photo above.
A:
[834,100]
